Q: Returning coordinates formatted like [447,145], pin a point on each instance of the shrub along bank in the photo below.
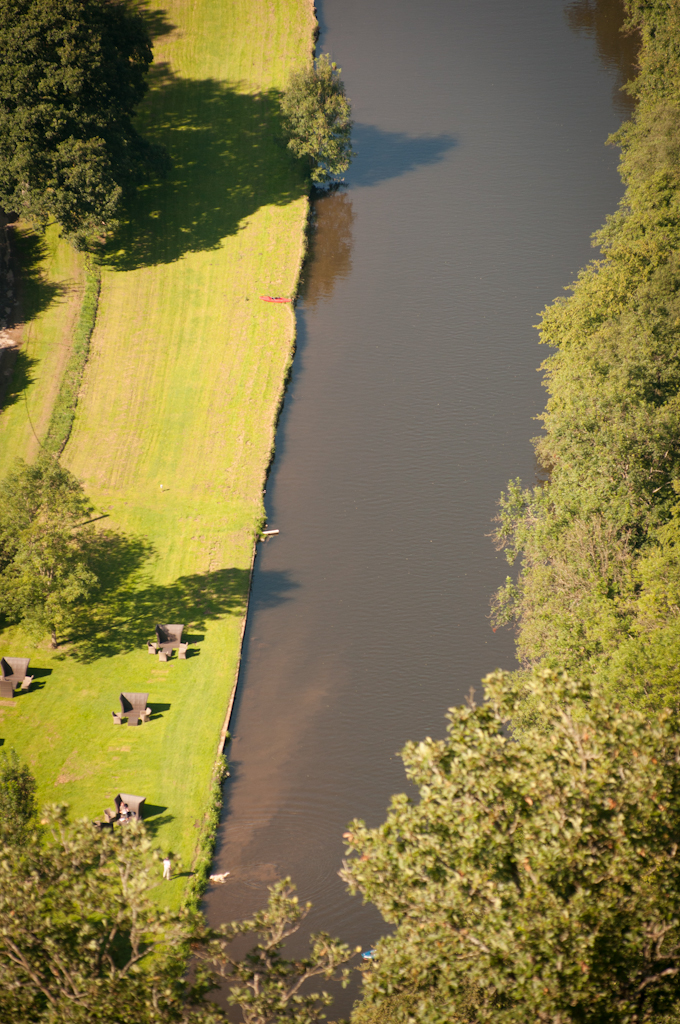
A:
[598,588]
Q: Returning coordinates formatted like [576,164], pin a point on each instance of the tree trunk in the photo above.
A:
[53,641]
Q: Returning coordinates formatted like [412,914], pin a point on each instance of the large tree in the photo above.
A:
[71,76]
[538,877]
[45,545]
[317,119]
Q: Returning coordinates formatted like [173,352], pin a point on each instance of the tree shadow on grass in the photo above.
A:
[35,292]
[227,162]
[16,375]
[124,619]
[129,603]
[155,20]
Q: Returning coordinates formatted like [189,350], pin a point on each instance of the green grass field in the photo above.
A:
[53,280]
[182,388]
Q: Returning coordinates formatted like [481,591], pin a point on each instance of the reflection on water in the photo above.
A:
[330,251]
[384,155]
[603,20]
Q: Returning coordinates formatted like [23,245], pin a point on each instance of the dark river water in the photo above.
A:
[481,172]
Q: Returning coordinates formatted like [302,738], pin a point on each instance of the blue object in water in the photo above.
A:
[370,954]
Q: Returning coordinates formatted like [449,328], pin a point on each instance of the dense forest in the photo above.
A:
[598,588]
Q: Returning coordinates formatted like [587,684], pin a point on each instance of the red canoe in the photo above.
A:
[271,298]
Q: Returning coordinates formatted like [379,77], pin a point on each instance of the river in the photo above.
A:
[481,172]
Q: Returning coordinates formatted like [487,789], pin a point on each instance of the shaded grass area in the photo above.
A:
[32,253]
[181,388]
[227,163]
[51,282]
[124,620]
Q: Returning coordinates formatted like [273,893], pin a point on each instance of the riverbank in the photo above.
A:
[182,388]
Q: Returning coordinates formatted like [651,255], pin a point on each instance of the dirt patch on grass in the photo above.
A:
[71,770]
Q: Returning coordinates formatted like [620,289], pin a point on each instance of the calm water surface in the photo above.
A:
[481,174]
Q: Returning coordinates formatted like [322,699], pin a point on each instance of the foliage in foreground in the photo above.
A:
[264,985]
[45,546]
[17,800]
[71,77]
[401,1007]
[317,119]
[611,441]
[83,938]
[78,926]
[538,878]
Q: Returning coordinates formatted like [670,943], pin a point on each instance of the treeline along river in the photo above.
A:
[481,174]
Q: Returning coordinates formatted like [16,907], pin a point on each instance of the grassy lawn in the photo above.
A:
[53,278]
[182,387]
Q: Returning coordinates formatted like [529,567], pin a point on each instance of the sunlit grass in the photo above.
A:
[184,379]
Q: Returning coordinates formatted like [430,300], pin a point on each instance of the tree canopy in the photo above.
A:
[81,937]
[84,937]
[586,541]
[71,77]
[18,806]
[45,541]
[317,119]
[538,876]
[268,988]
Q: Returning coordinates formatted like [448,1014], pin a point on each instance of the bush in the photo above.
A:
[317,119]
